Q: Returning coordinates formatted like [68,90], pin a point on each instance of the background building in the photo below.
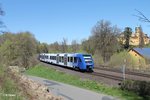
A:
[141,55]
[135,37]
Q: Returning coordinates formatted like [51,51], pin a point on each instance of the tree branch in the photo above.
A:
[142,17]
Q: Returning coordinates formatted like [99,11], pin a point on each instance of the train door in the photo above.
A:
[65,59]
[80,64]
[57,58]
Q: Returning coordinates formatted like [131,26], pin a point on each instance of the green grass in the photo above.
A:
[55,75]
[8,89]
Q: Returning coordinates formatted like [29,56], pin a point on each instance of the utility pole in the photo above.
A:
[123,70]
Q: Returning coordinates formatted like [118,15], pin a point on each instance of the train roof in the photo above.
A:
[66,53]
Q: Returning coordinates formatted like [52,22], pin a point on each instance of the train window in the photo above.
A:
[62,59]
[68,59]
[71,59]
[87,55]
[80,60]
[88,61]
[75,59]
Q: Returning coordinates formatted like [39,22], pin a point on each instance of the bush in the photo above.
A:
[17,49]
[142,88]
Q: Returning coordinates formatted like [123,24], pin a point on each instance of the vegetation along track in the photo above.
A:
[127,72]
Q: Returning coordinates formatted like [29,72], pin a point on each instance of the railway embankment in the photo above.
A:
[30,88]
[51,72]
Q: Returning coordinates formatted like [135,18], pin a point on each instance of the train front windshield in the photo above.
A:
[88,59]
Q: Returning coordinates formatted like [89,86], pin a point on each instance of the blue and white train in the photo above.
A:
[79,61]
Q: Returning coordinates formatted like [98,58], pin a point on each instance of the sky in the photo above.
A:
[53,20]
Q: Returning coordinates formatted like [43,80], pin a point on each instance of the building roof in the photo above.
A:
[145,52]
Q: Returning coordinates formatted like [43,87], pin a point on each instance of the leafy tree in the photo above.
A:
[27,47]
[127,34]
[105,39]
[17,49]
[42,48]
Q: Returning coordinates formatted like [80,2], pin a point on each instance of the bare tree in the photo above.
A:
[142,17]
[54,47]
[1,11]
[64,46]
[74,46]
[105,39]
[1,14]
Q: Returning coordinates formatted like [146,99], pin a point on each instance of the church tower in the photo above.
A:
[137,31]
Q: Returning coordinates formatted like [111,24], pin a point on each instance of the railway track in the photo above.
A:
[112,77]
[127,72]
[117,78]
[98,75]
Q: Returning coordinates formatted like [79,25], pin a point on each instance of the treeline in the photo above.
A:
[103,42]
[19,49]
[63,47]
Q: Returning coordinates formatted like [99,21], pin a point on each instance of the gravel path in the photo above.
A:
[69,92]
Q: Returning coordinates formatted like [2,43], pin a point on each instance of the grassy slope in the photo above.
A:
[8,89]
[53,74]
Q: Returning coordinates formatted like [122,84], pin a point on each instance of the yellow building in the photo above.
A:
[135,37]
[141,55]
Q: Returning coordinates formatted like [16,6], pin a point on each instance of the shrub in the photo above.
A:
[142,88]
